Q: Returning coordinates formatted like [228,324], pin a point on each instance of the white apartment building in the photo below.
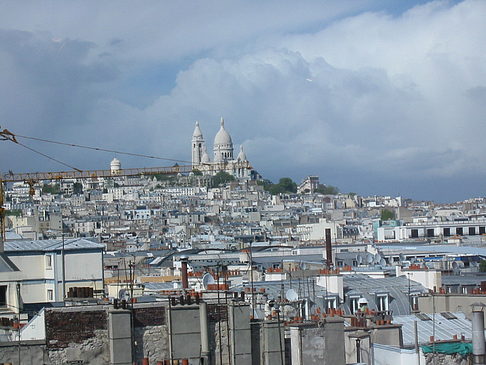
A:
[44,270]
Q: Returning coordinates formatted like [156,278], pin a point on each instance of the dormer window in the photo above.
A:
[382,301]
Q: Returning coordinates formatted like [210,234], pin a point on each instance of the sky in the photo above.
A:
[375,97]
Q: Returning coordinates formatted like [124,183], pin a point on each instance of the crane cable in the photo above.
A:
[49,157]
[101,149]
[6,135]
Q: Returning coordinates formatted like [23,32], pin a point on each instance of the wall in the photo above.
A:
[386,335]
[35,329]
[450,303]
[444,359]
[31,352]
[323,344]
[77,334]
[390,355]
[428,278]
[82,334]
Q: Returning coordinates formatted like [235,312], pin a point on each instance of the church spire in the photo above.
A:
[197,145]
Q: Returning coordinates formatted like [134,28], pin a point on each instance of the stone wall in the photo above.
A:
[70,325]
[77,335]
[151,333]
[82,335]
[443,359]
[218,340]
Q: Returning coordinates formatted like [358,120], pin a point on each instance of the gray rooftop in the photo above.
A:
[13,247]
[360,285]
[446,326]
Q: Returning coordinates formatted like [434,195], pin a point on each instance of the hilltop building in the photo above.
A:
[223,159]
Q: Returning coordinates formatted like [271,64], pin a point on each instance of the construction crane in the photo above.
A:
[31,178]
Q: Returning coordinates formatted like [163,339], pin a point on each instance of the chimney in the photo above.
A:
[185,282]
[328,248]
[478,334]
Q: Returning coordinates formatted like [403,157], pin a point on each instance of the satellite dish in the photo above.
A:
[377,258]
[207,279]
[369,258]
[402,257]
[359,259]
[383,262]
[123,294]
[291,295]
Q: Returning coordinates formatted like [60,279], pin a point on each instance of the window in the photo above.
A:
[330,303]
[50,294]
[415,302]
[447,232]
[482,230]
[382,302]
[414,233]
[423,317]
[353,304]
[48,261]
[3,295]
[430,232]
[459,231]
[472,231]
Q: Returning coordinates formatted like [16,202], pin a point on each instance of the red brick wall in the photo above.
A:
[63,327]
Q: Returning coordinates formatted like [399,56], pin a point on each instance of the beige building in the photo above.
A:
[44,270]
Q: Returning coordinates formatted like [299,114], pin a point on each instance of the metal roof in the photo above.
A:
[51,245]
[156,286]
[445,328]
[396,287]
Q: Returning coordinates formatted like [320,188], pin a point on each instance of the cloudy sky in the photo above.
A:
[375,97]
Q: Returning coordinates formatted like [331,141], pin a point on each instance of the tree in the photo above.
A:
[14,212]
[288,185]
[387,215]
[285,185]
[327,189]
[77,188]
[51,189]
[197,172]
[482,266]
[222,178]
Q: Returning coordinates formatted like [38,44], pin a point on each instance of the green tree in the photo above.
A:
[482,266]
[197,172]
[387,215]
[77,188]
[13,212]
[327,189]
[222,178]
[285,185]
[288,185]
[51,189]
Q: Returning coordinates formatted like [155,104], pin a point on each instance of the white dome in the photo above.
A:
[222,137]
[241,155]
[115,166]
[197,130]
[115,163]
[205,158]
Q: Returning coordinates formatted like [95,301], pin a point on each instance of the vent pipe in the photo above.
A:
[328,248]
[478,334]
